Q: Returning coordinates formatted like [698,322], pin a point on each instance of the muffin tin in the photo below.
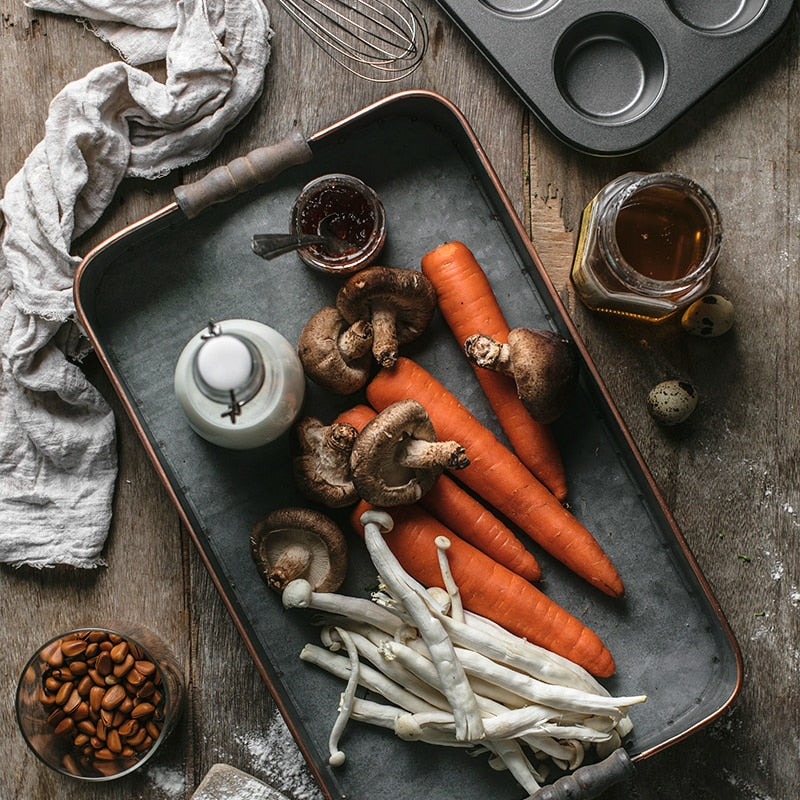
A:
[607,78]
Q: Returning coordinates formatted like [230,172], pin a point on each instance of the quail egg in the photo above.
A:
[711,315]
[671,402]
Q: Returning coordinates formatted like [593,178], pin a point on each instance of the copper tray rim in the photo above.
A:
[82,277]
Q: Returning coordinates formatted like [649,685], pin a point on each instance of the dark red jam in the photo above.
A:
[351,216]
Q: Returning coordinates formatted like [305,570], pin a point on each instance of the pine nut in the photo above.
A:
[73,648]
[96,694]
[143,710]
[119,652]
[113,697]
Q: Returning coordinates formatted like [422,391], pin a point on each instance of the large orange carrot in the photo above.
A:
[469,305]
[465,515]
[489,589]
[474,523]
[498,476]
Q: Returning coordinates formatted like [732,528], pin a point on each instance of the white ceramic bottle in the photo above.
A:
[239,383]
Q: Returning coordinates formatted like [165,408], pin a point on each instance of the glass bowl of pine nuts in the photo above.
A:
[96,703]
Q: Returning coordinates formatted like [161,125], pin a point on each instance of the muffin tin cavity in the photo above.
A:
[523,7]
[719,16]
[608,78]
[609,67]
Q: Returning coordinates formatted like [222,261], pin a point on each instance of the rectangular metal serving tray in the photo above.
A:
[144,292]
[609,77]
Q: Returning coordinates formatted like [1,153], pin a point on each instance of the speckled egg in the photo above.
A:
[671,402]
[711,315]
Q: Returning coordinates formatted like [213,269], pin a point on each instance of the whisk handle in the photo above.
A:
[241,174]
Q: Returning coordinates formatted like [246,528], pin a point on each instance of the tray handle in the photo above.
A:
[589,781]
[241,174]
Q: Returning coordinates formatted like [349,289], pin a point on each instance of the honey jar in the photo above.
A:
[647,247]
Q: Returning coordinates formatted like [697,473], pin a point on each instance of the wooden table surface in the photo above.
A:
[730,475]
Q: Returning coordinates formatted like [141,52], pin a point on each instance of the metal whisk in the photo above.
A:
[379,40]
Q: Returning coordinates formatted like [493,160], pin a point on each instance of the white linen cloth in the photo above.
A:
[58,461]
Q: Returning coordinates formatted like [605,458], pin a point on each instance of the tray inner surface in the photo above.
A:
[609,77]
[149,292]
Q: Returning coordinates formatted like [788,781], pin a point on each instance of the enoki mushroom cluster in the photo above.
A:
[453,678]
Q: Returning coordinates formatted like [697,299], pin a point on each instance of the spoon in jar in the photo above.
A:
[271,245]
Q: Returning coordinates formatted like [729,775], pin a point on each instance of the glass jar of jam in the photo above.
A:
[349,210]
[647,246]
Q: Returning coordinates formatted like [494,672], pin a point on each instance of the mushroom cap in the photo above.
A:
[319,349]
[408,292]
[285,533]
[377,476]
[321,467]
[545,367]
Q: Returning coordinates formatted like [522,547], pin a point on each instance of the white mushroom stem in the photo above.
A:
[537,691]
[386,716]
[484,636]
[298,594]
[369,677]
[382,659]
[510,753]
[337,756]
[454,683]
[422,667]
[456,608]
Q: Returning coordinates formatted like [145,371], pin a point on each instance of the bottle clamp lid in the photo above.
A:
[228,369]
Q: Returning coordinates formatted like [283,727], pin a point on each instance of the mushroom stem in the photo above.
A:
[454,683]
[291,564]
[322,470]
[483,351]
[456,608]
[356,340]
[384,336]
[421,454]
[337,756]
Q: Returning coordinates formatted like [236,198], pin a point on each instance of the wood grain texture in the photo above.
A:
[730,476]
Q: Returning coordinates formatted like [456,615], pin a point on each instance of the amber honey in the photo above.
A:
[647,246]
[662,233]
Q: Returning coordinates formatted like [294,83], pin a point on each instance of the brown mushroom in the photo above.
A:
[399,303]
[322,465]
[335,354]
[543,364]
[396,458]
[292,543]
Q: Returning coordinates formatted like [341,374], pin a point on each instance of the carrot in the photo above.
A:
[357,416]
[474,523]
[469,305]
[498,476]
[465,515]
[489,589]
